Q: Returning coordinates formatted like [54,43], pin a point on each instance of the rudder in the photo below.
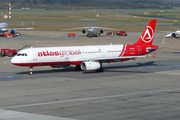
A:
[148,34]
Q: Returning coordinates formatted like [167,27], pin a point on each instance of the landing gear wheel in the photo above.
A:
[100,70]
[30,73]
[31,70]
[78,68]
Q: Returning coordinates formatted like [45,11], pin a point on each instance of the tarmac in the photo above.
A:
[147,88]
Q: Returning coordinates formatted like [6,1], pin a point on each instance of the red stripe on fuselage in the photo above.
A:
[48,63]
[122,50]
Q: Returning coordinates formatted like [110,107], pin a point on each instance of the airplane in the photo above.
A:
[92,31]
[87,58]
[4,30]
[173,34]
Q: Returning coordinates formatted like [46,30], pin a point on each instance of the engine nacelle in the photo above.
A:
[90,65]
[13,32]
[173,35]
[101,31]
[84,31]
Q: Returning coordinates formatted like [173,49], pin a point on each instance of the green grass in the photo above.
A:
[56,20]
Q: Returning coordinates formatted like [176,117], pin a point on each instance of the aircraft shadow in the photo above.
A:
[150,63]
[176,52]
[106,69]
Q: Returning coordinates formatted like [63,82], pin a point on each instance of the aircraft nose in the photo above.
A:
[90,30]
[13,60]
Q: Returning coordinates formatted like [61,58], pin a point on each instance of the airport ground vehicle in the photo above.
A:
[71,34]
[119,33]
[8,52]
[12,33]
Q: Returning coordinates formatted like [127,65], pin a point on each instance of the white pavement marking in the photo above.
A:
[5,62]
[86,99]
[14,115]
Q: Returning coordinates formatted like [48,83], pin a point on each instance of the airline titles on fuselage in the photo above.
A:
[59,53]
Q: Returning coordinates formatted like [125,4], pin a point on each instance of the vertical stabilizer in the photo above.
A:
[148,34]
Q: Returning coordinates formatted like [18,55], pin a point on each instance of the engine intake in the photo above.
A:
[13,32]
[101,31]
[90,66]
[84,31]
[173,35]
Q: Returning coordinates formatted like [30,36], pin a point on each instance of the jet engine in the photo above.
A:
[101,31]
[13,32]
[84,31]
[173,35]
[89,65]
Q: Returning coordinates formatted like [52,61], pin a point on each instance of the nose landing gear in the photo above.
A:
[31,70]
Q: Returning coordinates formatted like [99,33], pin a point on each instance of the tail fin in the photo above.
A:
[148,35]
[89,24]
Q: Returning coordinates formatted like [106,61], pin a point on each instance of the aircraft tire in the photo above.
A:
[100,70]
[30,73]
[78,68]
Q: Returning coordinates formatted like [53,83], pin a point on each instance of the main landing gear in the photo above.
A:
[78,68]
[30,70]
[100,70]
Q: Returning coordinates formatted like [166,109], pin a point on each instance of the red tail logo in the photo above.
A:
[148,33]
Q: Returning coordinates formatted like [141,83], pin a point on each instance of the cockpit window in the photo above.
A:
[21,54]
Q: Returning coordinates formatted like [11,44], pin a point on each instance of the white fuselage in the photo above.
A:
[58,55]
[92,31]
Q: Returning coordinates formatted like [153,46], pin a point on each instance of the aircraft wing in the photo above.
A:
[76,28]
[117,58]
[106,28]
[21,28]
[91,27]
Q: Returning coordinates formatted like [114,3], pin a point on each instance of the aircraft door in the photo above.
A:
[35,55]
[103,53]
[139,50]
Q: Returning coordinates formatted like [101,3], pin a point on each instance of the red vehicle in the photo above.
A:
[71,34]
[119,33]
[8,52]
[122,33]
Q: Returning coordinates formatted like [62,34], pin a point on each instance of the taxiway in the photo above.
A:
[143,89]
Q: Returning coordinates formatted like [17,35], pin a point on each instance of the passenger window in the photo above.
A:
[25,54]
[22,54]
